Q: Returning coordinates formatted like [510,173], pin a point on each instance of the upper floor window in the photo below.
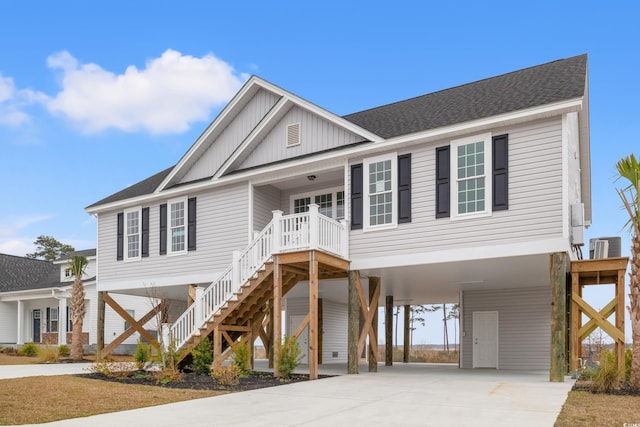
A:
[380,186]
[177,225]
[132,228]
[470,164]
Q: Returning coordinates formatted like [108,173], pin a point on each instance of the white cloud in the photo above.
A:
[11,227]
[18,247]
[170,93]
[13,102]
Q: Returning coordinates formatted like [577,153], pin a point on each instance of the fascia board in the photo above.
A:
[391,144]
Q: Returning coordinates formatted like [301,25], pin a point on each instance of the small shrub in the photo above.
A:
[226,375]
[168,375]
[290,356]
[9,350]
[48,354]
[628,358]
[141,355]
[242,357]
[608,375]
[29,349]
[64,350]
[202,357]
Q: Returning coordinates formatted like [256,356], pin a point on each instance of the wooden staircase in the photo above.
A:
[243,314]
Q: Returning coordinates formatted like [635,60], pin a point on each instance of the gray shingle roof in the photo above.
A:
[19,274]
[143,187]
[531,87]
[84,253]
[544,84]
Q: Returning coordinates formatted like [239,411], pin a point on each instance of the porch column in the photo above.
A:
[100,329]
[62,321]
[407,333]
[353,325]
[558,268]
[313,318]
[388,331]
[374,284]
[20,323]
[277,314]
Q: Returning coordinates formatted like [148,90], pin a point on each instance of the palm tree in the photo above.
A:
[629,169]
[78,309]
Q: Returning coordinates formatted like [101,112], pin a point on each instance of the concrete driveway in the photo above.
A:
[407,395]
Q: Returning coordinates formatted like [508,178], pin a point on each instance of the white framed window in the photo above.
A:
[132,233]
[471,176]
[329,200]
[177,233]
[67,272]
[380,177]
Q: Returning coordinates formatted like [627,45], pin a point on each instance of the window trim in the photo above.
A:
[126,234]
[184,200]
[366,217]
[486,138]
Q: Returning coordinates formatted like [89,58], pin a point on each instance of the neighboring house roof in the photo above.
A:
[22,274]
[544,84]
[87,253]
[19,274]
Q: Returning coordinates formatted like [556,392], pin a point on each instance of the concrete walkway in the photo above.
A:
[20,371]
[407,395]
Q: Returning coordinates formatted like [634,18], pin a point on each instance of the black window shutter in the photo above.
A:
[120,241]
[500,173]
[48,319]
[163,229]
[442,182]
[356,196]
[145,232]
[69,322]
[191,237]
[404,188]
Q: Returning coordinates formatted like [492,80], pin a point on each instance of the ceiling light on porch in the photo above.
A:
[311,177]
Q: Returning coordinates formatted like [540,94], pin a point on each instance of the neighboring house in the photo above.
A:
[35,296]
[458,196]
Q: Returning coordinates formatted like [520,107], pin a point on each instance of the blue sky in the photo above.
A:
[95,98]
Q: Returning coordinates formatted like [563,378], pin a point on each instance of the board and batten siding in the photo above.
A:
[266,199]
[8,322]
[221,218]
[232,136]
[535,200]
[316,134]
[524,331]
[334,326]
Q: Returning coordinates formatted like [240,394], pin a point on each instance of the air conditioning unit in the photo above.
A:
[612,249]
[600,248]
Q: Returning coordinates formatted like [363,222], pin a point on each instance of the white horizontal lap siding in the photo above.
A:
[316,134]
[114,323]
[334,327]
[266,199]
[221,227]
[535,200]
[524,331]
[334,332]
[9,322]
[232,136]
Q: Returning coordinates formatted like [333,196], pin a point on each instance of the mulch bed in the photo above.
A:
[254,380]
[623,390]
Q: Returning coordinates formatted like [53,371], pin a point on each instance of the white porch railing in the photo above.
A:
[303,231]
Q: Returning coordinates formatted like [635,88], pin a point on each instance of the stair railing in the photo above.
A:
[302,231]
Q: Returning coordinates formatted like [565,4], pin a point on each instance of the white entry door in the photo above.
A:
[485,339]
[303,338]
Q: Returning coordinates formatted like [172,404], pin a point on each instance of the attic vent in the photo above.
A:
[600,249]
[293,135]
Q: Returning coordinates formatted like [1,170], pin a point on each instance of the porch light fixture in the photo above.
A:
[311,177]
